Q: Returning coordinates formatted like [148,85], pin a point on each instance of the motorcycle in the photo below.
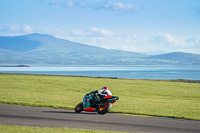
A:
[101,106]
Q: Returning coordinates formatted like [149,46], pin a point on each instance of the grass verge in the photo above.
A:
[145,97]
[26,129]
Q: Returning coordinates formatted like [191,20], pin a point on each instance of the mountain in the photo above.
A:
[180,58]
[43,49]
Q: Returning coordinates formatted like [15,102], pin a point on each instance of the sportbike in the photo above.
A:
[101,106]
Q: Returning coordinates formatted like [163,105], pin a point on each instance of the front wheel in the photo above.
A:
[79,108]
[105,108]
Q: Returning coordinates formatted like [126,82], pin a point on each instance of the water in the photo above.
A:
[130,72]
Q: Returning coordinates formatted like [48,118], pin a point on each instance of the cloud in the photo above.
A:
[102,31]
[11,28]
[115,7]
[162,42]
[70,3]
[193,41]
[15,30]
[107,39]
[92,32]
[101,37]
[169,40]
[27,29]
[163,38]
[118,7]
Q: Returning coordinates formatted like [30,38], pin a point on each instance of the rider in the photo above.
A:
[98,94]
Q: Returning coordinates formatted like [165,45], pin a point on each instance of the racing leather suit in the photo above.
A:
[98,94]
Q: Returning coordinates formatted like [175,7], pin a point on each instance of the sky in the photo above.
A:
[143,26]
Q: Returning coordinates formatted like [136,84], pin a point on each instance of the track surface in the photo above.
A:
[46,117]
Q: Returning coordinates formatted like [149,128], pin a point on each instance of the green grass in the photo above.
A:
[145,97]
[25,129]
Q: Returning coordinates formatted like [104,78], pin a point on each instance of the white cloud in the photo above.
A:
[163,38]
[162,42]
[92,32]
[15,30]
[70,3]
[10,28]
[116,7]
[167,39]
[102,31]
[120,7]
[193,41]
[106,38]
[27,29]
[168,36]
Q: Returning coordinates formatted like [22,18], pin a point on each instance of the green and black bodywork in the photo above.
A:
[91,104]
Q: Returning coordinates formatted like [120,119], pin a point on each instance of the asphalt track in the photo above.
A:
[47,117]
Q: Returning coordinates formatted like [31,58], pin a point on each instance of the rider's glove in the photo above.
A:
[95,91]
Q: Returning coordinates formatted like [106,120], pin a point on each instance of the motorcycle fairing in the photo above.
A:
[108,96]
[89,109]
[86,104]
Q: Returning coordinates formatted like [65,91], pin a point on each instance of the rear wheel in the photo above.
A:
[79,108]
[105,108]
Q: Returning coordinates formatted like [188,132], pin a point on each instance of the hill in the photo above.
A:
[180,58]
[43,49]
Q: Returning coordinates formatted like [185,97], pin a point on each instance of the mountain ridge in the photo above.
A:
[44,49]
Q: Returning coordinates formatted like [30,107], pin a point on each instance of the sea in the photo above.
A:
[128,72]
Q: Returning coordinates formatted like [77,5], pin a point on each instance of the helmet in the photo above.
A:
[105,88]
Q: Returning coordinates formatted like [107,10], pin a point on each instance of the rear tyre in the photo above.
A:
[79,108]
[104,109]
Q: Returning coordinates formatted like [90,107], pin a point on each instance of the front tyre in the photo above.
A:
[79,108]
[105,108]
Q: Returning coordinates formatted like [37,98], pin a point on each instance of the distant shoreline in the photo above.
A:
[127,72]
[15,66]
[170,80]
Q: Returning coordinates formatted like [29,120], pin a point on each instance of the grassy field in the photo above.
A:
[145,97]
[25,129]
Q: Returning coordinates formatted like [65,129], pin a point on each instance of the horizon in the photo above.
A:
[149,27]
[102,47]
